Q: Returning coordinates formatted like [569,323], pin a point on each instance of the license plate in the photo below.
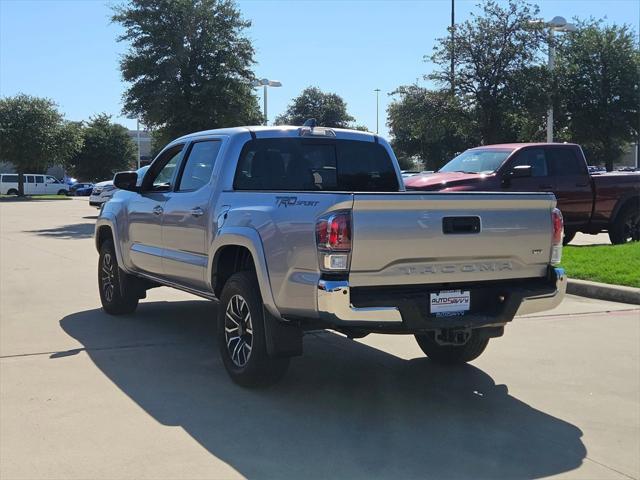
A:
[450,301]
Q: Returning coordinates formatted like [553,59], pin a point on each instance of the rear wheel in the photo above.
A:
[626,226]
[115,300]
[241,334]
[452,354]
[13,191]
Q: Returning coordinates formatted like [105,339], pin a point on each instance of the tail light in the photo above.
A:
[556,237]
[333,239]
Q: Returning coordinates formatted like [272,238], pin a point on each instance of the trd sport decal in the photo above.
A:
[294,202]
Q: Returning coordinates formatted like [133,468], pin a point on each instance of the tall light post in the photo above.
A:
[556,24]
[453,47]
[138,138]
[377,90]
[265,82]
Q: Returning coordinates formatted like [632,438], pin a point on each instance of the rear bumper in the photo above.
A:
[406,309]
[543,302]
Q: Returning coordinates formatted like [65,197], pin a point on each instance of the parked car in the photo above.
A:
[103,191]
[593,169]
[607,202]
[34,184]
[304,228]
[409,173]
[81,189]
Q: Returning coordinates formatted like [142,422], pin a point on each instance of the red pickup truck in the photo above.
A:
[589,203]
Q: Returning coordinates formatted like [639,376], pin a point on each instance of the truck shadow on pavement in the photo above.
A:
[77,231]
[344,410]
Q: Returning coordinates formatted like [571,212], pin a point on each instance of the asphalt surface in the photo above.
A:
[586,239]
[84,395]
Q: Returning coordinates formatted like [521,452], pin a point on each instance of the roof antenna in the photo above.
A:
[311,123]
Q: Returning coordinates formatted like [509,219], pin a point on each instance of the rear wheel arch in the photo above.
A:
[623,204]
[228,260]
[625,224]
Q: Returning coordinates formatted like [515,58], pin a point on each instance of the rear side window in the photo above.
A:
[564,161]
[199,165]
[10,178]
[29,179]
[315,165]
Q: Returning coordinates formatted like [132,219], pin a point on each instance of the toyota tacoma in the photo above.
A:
[293,229]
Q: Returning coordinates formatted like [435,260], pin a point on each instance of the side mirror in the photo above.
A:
[520,171]
[126,181]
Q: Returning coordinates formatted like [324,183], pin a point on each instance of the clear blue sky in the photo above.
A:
[66,50]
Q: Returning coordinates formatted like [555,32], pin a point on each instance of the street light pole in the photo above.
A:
[265,82]
[138,137]
[377,90]
[551,66]
[556,24]
[264,97]
[453,46]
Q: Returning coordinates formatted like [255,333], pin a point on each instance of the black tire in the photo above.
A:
[63,192]
[568,237]
[110,279]
[241,335]
[452,354]
[13,191]
[626,226]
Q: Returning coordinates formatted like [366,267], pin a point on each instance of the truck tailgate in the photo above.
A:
[415,238]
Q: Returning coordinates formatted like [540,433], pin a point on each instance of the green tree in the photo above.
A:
[429,125]
[491,51]
[34,135]
[525,105]
[598,70]
[107,148]
[189,65]
[329,109]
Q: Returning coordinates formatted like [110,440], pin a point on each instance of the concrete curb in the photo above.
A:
[604,291]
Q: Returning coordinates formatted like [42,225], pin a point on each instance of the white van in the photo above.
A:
[34,184]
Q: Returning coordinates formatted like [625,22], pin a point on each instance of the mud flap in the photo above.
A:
[283,339]
[129,282]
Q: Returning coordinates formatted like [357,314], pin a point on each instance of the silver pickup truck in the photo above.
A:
[294,229]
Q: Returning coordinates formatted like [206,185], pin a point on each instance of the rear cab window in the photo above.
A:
[308,164]
[564,162]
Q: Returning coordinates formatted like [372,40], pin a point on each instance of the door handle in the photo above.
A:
[546,187]
[158,210]
[197,212]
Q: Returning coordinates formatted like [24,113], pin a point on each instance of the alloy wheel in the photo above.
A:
[238,330]
[108,277]
[632,228]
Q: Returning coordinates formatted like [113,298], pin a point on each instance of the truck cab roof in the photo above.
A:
[275,131]
[516,146]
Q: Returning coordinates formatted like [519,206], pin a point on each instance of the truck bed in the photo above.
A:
[609,188]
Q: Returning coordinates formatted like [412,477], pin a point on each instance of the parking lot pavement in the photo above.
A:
[586,239]
[84,395]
